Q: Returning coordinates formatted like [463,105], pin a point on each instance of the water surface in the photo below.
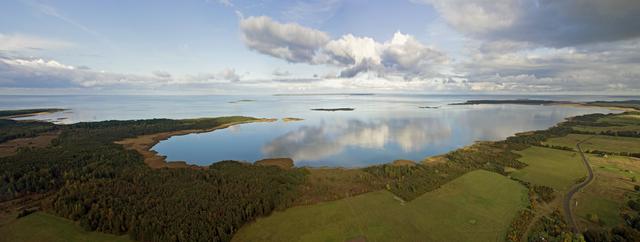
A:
[382,128]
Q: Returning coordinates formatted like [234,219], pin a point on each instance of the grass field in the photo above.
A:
[558,169]
[605,196]
[624,119]
[477,206]
[598,142]
[598,129]
[39,226]
[630,122]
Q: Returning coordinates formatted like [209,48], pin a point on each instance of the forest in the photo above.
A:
[109,189]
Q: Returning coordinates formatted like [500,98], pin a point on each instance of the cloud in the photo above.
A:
[613,67]
[558,23]
[21,42]
[288,41]
[403,55]
[41,73]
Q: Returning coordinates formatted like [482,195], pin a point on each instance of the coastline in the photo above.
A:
[34,114]
[143,144]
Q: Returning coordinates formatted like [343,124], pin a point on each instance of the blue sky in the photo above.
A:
[233,46]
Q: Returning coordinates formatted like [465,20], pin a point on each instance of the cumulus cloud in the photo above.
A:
[289,41]
[403,55]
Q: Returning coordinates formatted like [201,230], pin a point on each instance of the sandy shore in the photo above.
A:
[34,114]
[144,143]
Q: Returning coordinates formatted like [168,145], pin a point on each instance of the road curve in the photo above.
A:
[567,198]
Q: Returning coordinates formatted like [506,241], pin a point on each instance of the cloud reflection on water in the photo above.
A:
[309,143]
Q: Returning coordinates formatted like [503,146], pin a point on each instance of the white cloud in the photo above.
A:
[350,50]
[403,55]
[37,73]
[288,41]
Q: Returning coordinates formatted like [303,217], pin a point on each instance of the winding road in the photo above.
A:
[567,198]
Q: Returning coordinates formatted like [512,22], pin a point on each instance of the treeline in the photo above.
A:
[107,188]
[409,182]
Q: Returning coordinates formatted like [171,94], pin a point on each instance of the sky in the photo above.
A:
[310,46]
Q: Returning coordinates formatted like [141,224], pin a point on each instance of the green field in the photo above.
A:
[623,122]
[606,195]
[624,119]
[598,142]
[41,226]
[558,169]
[477,206]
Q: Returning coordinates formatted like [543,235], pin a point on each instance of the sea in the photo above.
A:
[381,127]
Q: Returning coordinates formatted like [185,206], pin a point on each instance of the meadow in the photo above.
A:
[40,226]
[600,203]
[558,169]
[477,206]
[598,142]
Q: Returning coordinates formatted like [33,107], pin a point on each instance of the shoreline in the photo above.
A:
[34,114]
[144,143]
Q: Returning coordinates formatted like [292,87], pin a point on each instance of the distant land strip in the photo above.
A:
[513,101]
[627,104]
[325,94]
[28,112]
[332,109]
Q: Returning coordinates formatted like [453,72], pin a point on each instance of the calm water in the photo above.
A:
[382,128]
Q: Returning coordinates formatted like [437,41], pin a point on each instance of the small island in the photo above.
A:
[243,101]
[332,109]
[428,107]
[288,119]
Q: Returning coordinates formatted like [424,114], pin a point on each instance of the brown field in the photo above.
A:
[10,147]
[284,163]
[403,163]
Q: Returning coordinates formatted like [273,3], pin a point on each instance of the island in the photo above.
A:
[332,109]
[243,101]
[289,119]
